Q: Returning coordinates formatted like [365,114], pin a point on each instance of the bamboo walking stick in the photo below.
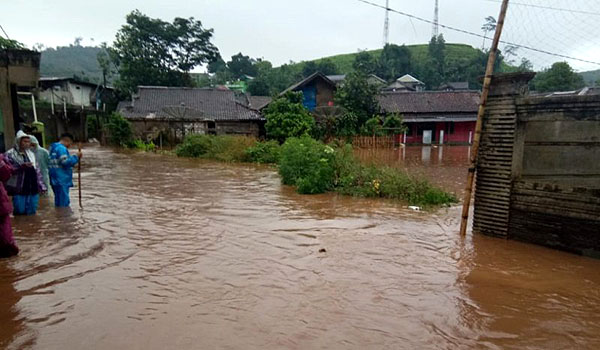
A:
[79,176]
[478,126]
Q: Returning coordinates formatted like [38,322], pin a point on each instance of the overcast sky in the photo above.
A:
[284,30]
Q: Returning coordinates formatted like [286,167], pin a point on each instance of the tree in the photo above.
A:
[365,63]
[241,65]
[105,62]
[325,66]
[10,44]
[434,72]
[150,51]
[217,65]
[559,77]
[393,124]
[287,117]
[394,61]
[488,26]
[359,97]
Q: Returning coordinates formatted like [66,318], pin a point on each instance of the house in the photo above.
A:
[19,71]
[406,83]
[371,79]
[173,112]
[257,103]
[318,91]
[454,86]
[434,116]
[74,92]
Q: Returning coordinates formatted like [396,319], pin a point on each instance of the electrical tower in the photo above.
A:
[386,24]
[436,19]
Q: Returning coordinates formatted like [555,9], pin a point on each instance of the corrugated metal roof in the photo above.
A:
[178,103]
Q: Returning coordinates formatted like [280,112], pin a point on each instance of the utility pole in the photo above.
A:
[436,19]
[386,24]
[489,71]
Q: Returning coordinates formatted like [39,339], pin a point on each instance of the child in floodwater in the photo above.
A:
[61,169]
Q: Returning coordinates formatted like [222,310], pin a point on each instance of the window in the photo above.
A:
[450,128]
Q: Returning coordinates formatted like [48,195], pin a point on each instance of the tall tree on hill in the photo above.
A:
[559,77]
[365,63]
[150,51]
[394,61]
[434,70]
[261,84]
[325,66]
[240,66]
[359,97]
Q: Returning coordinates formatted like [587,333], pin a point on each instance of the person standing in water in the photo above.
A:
[25,184]
[8,247]
[61,169]
[42,158]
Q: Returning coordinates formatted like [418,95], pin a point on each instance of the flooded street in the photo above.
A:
[172,253]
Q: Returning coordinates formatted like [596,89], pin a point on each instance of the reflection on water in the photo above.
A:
[177,254]
[445,166]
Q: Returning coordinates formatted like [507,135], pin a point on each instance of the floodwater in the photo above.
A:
[177,254]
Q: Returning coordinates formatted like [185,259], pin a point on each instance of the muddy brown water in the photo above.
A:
[177,254]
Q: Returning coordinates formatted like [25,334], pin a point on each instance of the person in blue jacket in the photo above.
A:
[61,169]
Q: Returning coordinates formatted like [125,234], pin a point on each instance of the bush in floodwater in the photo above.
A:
[194,146]
[354,178]
[307,164]
[120,131]
[225,148]
[143,146]
[263,152]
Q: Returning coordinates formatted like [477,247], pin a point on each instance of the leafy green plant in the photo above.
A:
[121,133]
[373,126]
[307,164]
[267,152]
[394,124]
[287,117]
[143,146]
[225,148]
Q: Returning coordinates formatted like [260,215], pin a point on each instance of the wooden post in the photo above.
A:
[489,71]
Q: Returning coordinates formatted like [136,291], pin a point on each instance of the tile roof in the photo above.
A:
[259,102]
[430,102]
[407,78]
[310,78]
[178,103]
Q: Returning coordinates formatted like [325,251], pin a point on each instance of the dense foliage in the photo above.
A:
[267,152]
[559,77]
[358,97]
[10,44]
[225,148]
[287,117]
[120,131]
[313,167]
[307,164]
[150,51]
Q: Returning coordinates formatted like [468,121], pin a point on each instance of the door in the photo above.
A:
[427,137]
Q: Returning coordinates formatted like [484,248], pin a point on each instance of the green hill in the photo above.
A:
[591,77]
[67,61]
[454,52]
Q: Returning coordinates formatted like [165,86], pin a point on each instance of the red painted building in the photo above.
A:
[434,116]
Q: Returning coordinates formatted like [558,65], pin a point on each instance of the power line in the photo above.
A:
[3,31]
[479,35]
[550,8]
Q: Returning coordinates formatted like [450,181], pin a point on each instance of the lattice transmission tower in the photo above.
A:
[386,24]
[436,18]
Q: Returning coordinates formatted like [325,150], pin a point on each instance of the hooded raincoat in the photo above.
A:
[42,158]
[61,173]
[26,183]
